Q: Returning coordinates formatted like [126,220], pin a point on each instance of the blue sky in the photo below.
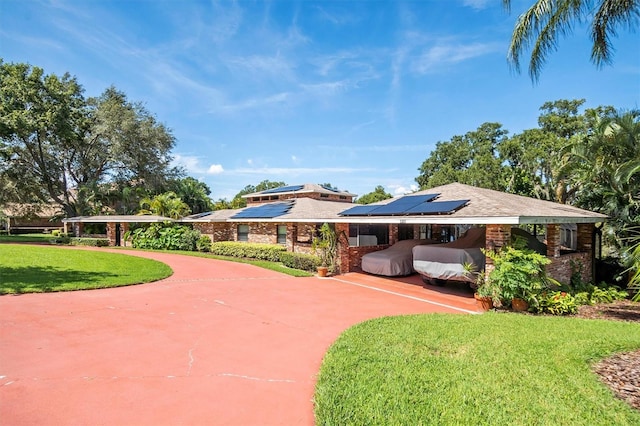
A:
[353,93]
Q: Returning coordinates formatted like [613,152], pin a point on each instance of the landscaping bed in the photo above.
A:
[621,372]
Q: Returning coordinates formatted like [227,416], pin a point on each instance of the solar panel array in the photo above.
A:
[328,188]
[290,188]
[264,211]
[409,205]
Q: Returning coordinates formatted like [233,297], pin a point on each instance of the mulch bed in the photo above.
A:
[621,372]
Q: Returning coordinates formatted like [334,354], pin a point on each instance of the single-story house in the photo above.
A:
[24,218]
[291,216]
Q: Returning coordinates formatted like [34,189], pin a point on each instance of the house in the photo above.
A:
[24,218]
[291,215]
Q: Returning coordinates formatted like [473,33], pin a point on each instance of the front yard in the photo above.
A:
[496,368]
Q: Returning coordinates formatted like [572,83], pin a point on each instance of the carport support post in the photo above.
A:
[111,233]
[497,236]
[124,227]
[553,240]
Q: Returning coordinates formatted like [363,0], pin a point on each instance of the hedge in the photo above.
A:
[306,262]
[269,252]
[94,242]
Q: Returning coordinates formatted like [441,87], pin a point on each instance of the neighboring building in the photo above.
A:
[24,218]
[291,216]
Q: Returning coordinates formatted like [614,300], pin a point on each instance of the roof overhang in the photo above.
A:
[118,219]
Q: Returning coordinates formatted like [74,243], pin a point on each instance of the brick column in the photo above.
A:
[585,245]
[78,228]
[124,227]
[553,240]
[111,233]
[497,236]
[292,233]
[342,230]
[393,234]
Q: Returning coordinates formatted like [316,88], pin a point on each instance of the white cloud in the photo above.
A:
[443,54]
[476,4]
[193,165]
[215,169]
[402,190]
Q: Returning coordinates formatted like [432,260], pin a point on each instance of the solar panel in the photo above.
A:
[290,188]
[358,211]
[403,204]
[437,207]
[264,211]
[328,188]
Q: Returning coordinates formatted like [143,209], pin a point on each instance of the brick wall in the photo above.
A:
[560,267]
[217,231]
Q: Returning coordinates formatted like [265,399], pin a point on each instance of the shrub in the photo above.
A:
[555,303]
[203,244]
[607,295]
[159,236]
[61,238]
[55,232]
[306,262]
[518,273]
[93,242]
[270,252]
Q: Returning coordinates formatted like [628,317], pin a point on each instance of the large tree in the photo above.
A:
[547,20]
[378,194]
[58,146]
[472,159]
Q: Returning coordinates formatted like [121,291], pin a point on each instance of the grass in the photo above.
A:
[496,368]
[35,269]
[26,238]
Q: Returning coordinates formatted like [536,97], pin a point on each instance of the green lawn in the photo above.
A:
[26,238]
[32,269]
[495,368]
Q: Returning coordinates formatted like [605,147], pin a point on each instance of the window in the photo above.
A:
[368,235]
[282,234]
[243,232]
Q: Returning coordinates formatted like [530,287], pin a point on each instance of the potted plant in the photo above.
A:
[486,292]
[325,246]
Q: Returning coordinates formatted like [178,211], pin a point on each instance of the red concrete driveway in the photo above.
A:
[217,343]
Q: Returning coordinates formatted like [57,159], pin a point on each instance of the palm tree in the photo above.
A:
[546,20]
[167,204]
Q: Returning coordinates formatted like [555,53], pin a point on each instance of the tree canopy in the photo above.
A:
[589,159]
[547,20]
[378,194]
[58,146]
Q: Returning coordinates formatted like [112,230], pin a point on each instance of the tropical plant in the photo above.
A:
[194,193]
[167,204]
[325,245]
[160,236]
[633,263]
[518,273]
[546,20]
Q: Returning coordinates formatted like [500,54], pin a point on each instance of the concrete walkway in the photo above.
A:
[217,343]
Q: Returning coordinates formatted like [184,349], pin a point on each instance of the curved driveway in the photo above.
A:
[217,343]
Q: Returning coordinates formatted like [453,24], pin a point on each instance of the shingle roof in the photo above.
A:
[119,218]
[484,206]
